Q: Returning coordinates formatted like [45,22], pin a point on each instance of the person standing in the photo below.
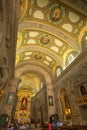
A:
[49,126]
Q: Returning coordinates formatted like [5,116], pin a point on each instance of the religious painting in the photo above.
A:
[38,56]
[56,14]
[50,98]
[10,98]
[45,40]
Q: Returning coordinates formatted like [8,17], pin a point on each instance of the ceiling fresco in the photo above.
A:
[49,32]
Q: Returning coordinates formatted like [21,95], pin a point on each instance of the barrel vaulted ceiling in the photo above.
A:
[49,31]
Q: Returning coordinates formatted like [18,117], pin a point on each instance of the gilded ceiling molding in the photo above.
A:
[66,54]
[34,69]
[81,35]
[40,49]
[23,8]
[75,6]
[78,62]
[25,25]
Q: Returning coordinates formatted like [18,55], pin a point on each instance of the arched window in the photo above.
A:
[58,71]
[83,90]
[70,58]
[66,100]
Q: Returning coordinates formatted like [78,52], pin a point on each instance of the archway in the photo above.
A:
[39,73]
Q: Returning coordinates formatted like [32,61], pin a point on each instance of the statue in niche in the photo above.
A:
[56,13]
[67,105]
[24,103]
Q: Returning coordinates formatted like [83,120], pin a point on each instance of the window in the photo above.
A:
[70,58]
[58,71]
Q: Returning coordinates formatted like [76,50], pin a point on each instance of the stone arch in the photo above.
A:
[36,63]
[24,68]
[33,68]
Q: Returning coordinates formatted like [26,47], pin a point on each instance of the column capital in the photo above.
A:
[15,81]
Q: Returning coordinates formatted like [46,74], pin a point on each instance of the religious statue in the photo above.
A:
[24,103]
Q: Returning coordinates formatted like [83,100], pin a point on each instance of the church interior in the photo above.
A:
[43,60]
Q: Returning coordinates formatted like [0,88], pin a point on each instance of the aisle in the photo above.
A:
[31,129]
[23,129]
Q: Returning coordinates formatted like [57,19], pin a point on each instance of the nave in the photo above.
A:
[43,61]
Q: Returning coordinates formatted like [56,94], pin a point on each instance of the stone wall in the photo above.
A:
[71,80]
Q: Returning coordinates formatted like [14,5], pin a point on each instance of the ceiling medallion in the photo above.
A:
[56,14]
[37,56]
[44,40]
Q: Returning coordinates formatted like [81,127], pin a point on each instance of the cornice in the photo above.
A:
[75,65]
[75,7]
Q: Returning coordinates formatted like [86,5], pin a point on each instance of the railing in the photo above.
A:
[82,100]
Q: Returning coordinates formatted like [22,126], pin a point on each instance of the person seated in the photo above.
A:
[10,127]
[53,124]
[22,127]
[59,123]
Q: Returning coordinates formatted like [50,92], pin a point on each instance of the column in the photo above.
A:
[10,97]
